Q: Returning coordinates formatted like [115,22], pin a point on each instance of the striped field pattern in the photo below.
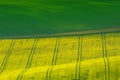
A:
[85,57]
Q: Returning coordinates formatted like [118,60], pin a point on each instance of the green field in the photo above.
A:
[34,17]
[86,57]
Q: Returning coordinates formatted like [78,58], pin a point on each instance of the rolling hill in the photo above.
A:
[84,57]
[33,17]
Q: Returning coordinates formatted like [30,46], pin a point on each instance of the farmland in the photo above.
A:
[34,17]
[85,57]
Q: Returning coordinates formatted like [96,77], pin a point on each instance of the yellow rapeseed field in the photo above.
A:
[85,57]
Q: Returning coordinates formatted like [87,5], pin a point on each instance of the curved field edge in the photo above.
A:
[86,32]
[93,69]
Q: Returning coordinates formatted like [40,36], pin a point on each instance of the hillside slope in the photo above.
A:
[88,57]
[33,17]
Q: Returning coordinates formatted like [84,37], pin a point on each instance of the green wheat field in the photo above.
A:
[86,57]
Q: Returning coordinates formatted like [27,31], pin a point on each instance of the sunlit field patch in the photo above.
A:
[86,57]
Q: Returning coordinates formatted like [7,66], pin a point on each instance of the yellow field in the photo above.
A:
[87,57]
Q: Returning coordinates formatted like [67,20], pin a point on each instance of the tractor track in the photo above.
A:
[7,56]
[28,61]
[79,58]
[105,58]
[54,59]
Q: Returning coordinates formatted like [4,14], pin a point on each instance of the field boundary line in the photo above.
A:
[29,60]
[54,59]
[85,32]
[7,56]
[105,57]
